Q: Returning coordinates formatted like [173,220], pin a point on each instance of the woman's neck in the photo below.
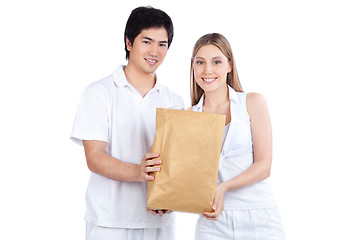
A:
[216,99]
[218,102]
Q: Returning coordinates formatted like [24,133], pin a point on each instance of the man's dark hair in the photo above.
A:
[143,18]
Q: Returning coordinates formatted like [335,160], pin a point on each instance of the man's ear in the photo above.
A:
[128,44]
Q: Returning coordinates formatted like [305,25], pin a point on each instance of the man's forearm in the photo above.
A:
[101,163]
[110,167]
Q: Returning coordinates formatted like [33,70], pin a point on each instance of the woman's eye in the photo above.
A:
[199,62]
[217,62]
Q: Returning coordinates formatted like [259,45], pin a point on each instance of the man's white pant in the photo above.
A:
[94,232]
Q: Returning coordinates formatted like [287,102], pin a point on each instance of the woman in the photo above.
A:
[244,207]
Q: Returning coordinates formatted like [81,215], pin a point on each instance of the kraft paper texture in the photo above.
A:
[189,144]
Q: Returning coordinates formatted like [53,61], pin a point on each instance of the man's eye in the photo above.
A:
[147,42]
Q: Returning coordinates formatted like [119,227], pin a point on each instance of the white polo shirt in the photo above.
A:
[111,110]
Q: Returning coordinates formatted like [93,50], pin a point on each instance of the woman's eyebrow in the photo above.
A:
[211,58]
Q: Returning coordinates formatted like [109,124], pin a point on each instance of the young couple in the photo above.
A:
[116,125]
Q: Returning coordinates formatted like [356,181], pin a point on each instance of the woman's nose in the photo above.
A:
[208,69]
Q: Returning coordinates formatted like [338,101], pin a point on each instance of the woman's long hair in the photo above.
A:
[222,43]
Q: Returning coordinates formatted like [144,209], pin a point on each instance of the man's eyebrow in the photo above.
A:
[147,38]
[152,40]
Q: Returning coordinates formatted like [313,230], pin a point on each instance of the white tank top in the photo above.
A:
[237,156]
[226,129]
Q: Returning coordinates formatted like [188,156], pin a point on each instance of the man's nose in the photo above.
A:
[153,51]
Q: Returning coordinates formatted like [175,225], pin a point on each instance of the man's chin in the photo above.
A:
[151,69]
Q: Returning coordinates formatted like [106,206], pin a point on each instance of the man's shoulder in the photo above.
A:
[101,88]
[174,99]
[106,82]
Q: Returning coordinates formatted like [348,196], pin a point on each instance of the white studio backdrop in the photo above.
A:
[303,56]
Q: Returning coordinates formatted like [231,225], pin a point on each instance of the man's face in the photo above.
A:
[149,49]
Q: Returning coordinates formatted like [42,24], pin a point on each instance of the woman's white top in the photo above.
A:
[226,129]
[237,156]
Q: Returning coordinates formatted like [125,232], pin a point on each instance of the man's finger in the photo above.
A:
[152,169]
[151,155]
[153,162]
[149,177]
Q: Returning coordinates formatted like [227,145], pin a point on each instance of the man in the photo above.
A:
[116,125]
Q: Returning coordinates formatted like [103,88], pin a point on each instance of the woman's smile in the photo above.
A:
[209,80]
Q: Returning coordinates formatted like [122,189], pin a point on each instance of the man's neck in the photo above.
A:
[143,82]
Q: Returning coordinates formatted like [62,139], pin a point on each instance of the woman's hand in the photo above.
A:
[218,204]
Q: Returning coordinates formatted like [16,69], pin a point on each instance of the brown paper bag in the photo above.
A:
[189,144]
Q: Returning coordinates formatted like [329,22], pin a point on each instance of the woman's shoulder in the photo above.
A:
[250,98]
[254,97]
[255,101]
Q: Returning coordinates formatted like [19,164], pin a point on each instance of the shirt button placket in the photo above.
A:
[143,105]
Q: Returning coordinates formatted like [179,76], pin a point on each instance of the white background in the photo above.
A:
[303,56]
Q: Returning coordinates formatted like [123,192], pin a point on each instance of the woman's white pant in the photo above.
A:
[257,224]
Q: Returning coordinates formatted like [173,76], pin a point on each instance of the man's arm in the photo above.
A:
[101,163]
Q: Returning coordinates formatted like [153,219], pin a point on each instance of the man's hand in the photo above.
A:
[161,212]
[149,164]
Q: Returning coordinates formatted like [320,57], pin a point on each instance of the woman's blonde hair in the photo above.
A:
[222,43]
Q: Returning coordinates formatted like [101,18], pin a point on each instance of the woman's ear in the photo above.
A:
[230,67]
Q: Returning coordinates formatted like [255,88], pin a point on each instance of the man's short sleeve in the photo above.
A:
[91,122]
[181,103]
[178,103]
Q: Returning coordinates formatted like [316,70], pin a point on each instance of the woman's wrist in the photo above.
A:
[224,186]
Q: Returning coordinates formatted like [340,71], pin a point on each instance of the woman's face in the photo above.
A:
[210,68]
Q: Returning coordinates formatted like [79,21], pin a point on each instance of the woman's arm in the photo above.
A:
[262,147]
[262,144]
